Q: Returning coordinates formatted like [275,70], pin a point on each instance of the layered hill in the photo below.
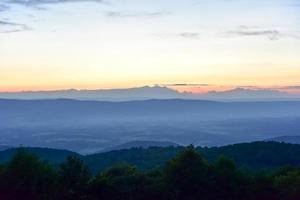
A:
[256,155]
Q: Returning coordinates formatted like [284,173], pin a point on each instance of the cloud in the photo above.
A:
[256,31]
[184,35]
[293,35]
[247,93]
[42,2]
[3,7]
[292,87]
[277,88]
[190,35]
[12,27]
[118,14]
[242,31]
[186,85]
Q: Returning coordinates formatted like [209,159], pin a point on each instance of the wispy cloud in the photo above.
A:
[42,2]
[184,35]
[292,87]
[12,27]
[257,31]
[186,85]
[277,88]
[3,7]
[247,31]
[190,35]
[145,14]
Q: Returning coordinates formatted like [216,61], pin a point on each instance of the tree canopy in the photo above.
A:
[188,176]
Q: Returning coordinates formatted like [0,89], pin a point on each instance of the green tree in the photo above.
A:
[26,177]
[118,182]
[188,176]
[264,187]
[231,183]
[74,177]
[288,185]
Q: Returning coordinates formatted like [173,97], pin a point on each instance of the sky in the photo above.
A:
[192,45]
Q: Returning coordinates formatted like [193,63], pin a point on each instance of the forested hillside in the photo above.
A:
[186,176]
[254,156]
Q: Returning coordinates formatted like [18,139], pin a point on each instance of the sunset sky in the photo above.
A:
[60,44]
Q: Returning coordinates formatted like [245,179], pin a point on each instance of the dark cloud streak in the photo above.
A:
[256,31]
[271,34]
[292,87]
[12,27]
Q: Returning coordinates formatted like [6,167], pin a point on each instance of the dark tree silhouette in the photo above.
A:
[73,179]
[25,177]
[187,176]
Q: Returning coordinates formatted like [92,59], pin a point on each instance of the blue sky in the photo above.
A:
[51,44]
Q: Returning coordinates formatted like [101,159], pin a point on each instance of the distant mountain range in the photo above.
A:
[155,92]
[65,111]
[139,93]
[249,94]
[92,126]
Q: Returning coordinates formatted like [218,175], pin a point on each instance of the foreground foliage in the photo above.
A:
[186,176]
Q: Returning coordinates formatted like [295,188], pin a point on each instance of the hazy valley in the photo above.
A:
[92,126]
